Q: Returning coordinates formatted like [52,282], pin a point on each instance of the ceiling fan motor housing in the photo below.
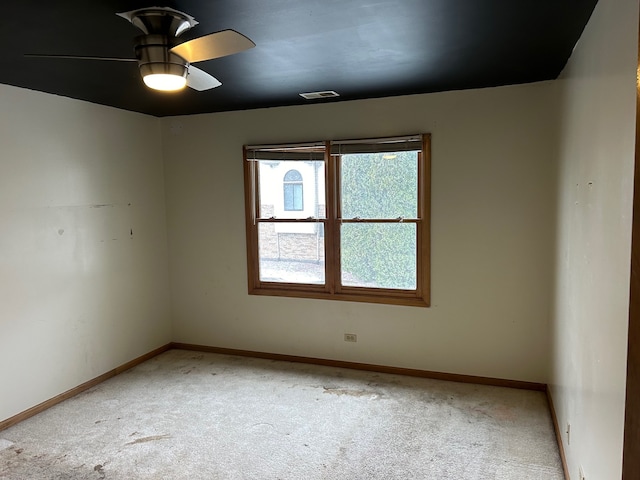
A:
[154,57]
[160,26]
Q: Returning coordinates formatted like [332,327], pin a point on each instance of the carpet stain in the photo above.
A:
[351,392]
[152,438]
[100,469]
[43,466]
[502,412]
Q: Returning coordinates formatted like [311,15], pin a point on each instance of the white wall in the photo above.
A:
[79,294]
[595,187]
[492,235]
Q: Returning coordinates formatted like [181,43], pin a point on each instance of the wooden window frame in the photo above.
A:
[332,288]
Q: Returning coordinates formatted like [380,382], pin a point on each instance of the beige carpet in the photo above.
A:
[186,415]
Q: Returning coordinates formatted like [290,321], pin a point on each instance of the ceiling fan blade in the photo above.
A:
[214,45]
[81,57]
[201,80]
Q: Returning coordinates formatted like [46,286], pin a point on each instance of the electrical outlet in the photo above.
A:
[581,473]
[350,337]
[568,433]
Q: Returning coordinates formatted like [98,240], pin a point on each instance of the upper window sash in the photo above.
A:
[355,156]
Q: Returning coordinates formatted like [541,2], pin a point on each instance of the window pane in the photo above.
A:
[291,188]
[381,255]
[379,185]
[293,196]
[291,252]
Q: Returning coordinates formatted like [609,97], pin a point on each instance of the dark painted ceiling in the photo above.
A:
[359,48]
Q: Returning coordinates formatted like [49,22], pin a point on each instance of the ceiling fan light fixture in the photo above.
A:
[162,71]
[166,82]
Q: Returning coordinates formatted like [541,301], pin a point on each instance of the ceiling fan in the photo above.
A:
[164,63]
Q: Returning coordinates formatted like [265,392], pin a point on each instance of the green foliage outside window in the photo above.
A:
[379,186]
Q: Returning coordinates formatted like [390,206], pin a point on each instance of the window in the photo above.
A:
[361,235]
[292,186]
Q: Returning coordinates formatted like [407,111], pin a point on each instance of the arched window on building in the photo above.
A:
[292,185]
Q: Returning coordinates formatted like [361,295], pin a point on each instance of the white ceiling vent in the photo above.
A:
[314,95]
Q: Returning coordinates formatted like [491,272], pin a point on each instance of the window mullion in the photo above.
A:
[332,251]
[338,237]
